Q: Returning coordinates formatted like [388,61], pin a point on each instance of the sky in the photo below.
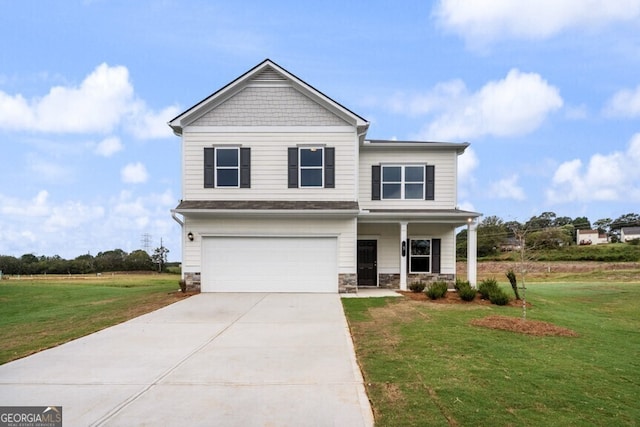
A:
[547,93]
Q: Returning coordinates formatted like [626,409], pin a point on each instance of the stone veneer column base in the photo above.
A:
[347,283]
[193,281]
[389,281]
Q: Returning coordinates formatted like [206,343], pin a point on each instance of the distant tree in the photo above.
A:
[582,223]
[83,264]
[542,221]
[603,225]
[562,220]
[138,261]
[9,264]
[461,244]
[626,220]
[491,233]
[110,260]
[160,256]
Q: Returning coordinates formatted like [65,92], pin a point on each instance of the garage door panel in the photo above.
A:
[269,264]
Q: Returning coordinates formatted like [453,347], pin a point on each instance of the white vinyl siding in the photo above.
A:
[269,165]
[445,179]
[343,229]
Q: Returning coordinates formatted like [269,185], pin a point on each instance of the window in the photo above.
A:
[420,256]
[227,167]
[402,182]
[311,167]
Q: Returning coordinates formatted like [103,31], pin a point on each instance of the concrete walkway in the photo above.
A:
[212,359]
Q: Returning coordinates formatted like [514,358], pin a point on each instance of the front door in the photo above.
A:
[367,263]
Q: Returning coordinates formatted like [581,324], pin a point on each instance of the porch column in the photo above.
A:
[403,255]
[472,252]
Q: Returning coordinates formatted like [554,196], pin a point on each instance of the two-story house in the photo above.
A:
[283,192]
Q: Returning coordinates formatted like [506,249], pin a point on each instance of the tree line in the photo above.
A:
[113,260]
[545,231]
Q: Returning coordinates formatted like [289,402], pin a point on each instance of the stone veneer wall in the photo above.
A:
[347,283]
[193,281]
[390,281]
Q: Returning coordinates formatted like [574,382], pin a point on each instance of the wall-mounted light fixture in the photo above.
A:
[190,236]
[404,248]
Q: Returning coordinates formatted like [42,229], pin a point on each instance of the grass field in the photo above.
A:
[424,364]
[38,313]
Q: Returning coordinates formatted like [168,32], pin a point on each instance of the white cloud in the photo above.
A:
[109,146]
[481,22]
[46,170]
[134,173]
[103,101]
[624,103]
[507,188]
[515,105]
[606,177]
[467,163]
[38,223]
[147,124]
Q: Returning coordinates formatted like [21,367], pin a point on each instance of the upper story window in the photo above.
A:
[311,167]
[402,182]
[227,167]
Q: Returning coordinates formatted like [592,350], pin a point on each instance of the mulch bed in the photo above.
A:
[504,323]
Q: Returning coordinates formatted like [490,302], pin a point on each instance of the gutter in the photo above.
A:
[176,219]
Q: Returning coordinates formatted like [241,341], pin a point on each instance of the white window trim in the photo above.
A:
[300,167]
[403,182]
[430,256]
[216,167]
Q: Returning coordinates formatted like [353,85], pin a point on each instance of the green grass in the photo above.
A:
[424,364]
[36,314]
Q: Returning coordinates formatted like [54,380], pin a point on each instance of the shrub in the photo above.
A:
[462,284]
[467,293]
[437,290]
[511,275]
[498,297]
[417,287]
[486,286]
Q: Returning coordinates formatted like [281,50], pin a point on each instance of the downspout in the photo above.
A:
[176,219]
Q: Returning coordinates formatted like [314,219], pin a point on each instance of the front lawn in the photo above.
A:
[39,313]
[424,364]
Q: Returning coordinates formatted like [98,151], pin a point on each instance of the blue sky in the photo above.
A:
[546,92]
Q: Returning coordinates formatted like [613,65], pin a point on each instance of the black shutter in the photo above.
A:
[209,167]
[435,256]
[375,182]
[245,167]
[329,167]
[408,256]
[430,192]
[293,167]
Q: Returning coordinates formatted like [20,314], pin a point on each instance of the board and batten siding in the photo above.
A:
[445,180]
[344,229]
[388,237]
[269,164]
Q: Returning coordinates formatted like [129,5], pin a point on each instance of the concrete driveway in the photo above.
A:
[212,359]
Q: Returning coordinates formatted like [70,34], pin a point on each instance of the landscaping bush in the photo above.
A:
[511,275]
[498,297]
[437,290]
[462,284]
[417,287]
[486,286]
[467,293]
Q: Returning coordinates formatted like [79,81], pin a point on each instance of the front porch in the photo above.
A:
[393,253]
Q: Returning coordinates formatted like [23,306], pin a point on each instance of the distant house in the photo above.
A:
[510,244]
[629,233]
[591,237]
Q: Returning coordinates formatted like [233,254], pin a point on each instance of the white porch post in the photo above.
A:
[403,259]
[472,252]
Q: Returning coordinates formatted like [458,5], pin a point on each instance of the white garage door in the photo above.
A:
[269,264]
